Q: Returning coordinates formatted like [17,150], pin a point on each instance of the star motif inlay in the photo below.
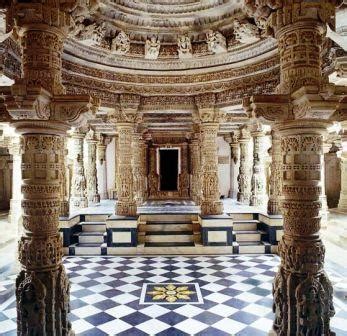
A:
[171,293]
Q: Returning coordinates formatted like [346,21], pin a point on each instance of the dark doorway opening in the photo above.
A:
[168,169]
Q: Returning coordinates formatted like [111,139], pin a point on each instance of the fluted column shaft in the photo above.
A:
[91,172]
[258,181]
[78,197]
[273,205]
[210,203]
[126,205]
[195,181]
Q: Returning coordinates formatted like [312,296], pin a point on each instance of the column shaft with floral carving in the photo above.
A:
[126,205]
[138,148]
[302,109]
[64,203]
[273,205]
[184,175]
[78,197]
[195,170]
[258,181]
[101,171]
[244,177]
[91,173]
[209,126]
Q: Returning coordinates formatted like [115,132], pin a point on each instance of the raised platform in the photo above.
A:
[170,227]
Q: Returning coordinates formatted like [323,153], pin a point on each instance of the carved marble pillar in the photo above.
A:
[91,173]
[258,181]
[302,108]
[244,177]
[138,168]
[15,213]
[101,167]
[195,169]
[126,205]
[78,197]
[273,205]
[210,203]
[116,147]
[184,175]
[343,194]
[234,163]
[42,117]
[209,125]
[153,178]
[64,203]
[301,249]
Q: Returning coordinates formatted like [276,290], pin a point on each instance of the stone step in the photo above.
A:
[168,244]
[241,216]
[93,226]
[96,217]
[245,224]
[91,237]
[169,236]
[168,227]
[88,249]
[253,247]
[247,236]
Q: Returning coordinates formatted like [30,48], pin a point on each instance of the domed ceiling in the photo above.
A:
[175,33]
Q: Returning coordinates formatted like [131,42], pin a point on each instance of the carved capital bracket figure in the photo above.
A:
[244,176]
[258,181]
[91,173]
[209,126]
[42,114]
[302,109]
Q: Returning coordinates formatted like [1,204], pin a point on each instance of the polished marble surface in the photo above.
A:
[236,294]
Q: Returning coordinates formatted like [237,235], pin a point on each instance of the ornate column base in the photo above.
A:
[211,208]
[64,209]
[78,203]
[126,209]
[273,207]
[43,303]
[242,198]
[96,198]
[303,294]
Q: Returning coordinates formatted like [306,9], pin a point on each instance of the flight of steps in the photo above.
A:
[247,237]
[91,238]
[169,230]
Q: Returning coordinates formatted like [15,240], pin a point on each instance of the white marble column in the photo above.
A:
[343,194]
[91,173]
[234,163]
[15,213]
[258,181]
[244,177]
[101,167]
[78,197]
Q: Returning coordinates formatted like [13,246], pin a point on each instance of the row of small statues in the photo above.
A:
[120,45]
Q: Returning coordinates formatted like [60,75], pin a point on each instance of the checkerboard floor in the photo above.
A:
[105,296]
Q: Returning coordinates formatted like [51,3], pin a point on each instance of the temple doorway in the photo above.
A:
[168,169]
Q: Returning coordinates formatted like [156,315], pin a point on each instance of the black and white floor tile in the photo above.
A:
[233,294]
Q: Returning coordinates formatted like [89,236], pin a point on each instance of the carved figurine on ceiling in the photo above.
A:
[184,47]
[92,35]
[216,42]
[152,48]
[245,32]
[120,44]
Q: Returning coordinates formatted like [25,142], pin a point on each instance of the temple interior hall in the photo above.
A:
[173,167]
